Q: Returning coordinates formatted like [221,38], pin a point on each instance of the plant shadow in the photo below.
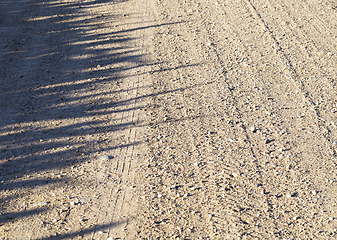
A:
[61,72]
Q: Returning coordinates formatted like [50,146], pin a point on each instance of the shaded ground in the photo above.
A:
[73,100]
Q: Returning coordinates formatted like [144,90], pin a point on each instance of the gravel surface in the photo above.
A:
[154,119]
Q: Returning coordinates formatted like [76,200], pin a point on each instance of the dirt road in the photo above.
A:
[173,119]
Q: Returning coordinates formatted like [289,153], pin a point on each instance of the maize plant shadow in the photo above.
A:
[85,232]
[53,68]
[20,214]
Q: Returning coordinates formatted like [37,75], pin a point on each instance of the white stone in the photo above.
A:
[104,158]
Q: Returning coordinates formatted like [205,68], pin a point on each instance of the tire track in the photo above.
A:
[128,159]
[243,94]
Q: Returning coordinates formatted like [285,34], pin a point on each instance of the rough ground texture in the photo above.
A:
[74,93]
[153,119]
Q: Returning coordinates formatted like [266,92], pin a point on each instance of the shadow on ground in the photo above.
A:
[60,82]
[85,231]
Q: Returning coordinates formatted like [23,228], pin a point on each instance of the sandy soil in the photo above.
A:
[154,119]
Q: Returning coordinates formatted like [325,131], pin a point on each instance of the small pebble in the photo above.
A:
[235,174]
[105,158]
[253,129]
[314,192]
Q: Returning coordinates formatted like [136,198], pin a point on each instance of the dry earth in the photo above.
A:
[155,119]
